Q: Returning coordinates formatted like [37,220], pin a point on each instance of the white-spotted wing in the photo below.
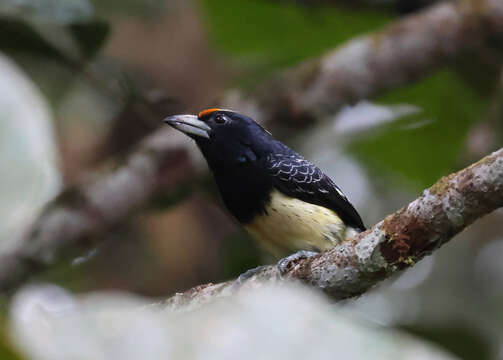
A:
[296,177]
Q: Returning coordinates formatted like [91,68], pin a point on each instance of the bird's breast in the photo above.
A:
[290,224]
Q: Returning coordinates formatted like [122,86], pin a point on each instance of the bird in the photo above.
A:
[284,201]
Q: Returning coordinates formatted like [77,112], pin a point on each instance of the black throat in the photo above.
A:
[245,190]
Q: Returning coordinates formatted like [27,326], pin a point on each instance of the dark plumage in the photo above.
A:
[250,167]
[295,176]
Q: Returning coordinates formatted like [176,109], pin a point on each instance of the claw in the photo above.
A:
[303,254]
[247,274]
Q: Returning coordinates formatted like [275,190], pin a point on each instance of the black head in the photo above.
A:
[225,137]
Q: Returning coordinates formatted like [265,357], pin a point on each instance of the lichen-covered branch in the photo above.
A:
[80,214]
[365,66]
[397,242]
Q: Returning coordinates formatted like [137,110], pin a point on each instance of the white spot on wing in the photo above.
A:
[340,192]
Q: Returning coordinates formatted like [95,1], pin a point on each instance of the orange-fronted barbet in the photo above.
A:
[285,202]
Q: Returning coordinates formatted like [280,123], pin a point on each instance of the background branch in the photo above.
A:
[366,66]
[397,242]
[76,218]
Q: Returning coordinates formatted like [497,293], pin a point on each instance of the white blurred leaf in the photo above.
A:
[289,322]
[28,166]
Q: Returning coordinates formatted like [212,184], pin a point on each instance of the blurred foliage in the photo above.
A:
[267,35]
[17,36]
[51,37]
[424,146]
[239,254]
[461,341]
[166,200]
[51,29]
[6,351]
[20,37]
[134,8]
[74,274]
[89,36]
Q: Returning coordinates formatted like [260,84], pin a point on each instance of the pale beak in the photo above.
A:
[190,125]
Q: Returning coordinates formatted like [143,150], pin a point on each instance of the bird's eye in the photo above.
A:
[221,119]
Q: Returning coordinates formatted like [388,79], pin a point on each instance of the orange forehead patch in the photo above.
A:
[207,112]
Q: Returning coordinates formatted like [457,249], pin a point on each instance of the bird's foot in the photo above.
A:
[283,264]
[248,274]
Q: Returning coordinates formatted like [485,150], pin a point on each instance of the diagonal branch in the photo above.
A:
[77,218]
[397,242]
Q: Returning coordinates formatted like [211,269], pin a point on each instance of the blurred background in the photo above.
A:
[83,82]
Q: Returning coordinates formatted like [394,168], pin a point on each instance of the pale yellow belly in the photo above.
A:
[291,225]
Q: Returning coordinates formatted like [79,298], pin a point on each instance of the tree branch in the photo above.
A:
[363,67]
[399,54]
[397,242]
[79,215]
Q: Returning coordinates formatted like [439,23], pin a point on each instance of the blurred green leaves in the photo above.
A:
[62,31]
[17,36]
[267,35]
[6,352]
[425,146]
[51,34]
[239,254]
[89,36]
[461,340]
[82,40]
